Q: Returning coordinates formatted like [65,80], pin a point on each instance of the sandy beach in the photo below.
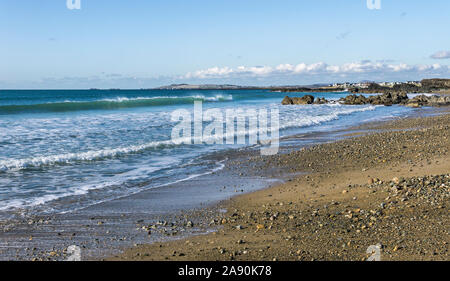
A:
[211,131]
[385,184]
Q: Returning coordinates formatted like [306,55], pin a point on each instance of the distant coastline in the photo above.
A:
[425,85]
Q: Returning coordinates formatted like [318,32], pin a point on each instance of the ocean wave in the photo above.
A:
[295,120]
[305,121]
[197,97]
[85,189]
[109,103]
[19,164]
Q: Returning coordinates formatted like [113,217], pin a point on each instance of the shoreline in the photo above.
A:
[116,226]
[285,221]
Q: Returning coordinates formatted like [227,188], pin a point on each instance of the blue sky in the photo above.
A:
[135,44]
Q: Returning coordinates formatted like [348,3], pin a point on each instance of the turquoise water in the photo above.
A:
[62,150]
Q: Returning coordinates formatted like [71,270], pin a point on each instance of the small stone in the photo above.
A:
[259,226]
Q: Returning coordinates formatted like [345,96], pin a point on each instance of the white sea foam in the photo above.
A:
[295,120]
[115,153]
[304,120]
[200,97]
[10,164]
[218,97]
[85,189]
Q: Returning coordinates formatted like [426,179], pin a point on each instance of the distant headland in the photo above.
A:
[425,85]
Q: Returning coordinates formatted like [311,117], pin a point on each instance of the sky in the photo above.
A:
[150,43]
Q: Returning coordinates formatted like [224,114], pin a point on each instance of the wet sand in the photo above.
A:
[386,184]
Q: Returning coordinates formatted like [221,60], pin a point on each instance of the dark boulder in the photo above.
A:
[436,83]
[320,101]
[424,100]
[386,99]
[308,99]
[354,100]
[287,101]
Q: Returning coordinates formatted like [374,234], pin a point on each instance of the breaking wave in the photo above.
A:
[68,158]
[108,104]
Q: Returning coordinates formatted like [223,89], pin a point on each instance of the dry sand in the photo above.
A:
[371,189]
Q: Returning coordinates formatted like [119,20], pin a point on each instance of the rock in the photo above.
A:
[438,100]
[398,98]
[387,99]
[413,105]
[308,99]
[424,100]
[287,101]
[436,83]
[354,100]
[320,101]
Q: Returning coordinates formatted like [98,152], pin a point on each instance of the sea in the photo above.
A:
[65,150]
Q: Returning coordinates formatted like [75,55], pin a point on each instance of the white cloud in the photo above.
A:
[441,55]
[283,74]
[215,72]
[320,68]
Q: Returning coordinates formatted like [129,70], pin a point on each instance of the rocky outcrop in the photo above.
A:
[303,100]
[386,99]
[287,101]
[399,88]
[436,83]
[353,100]
[425,86]
[321,101]
[423,100]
